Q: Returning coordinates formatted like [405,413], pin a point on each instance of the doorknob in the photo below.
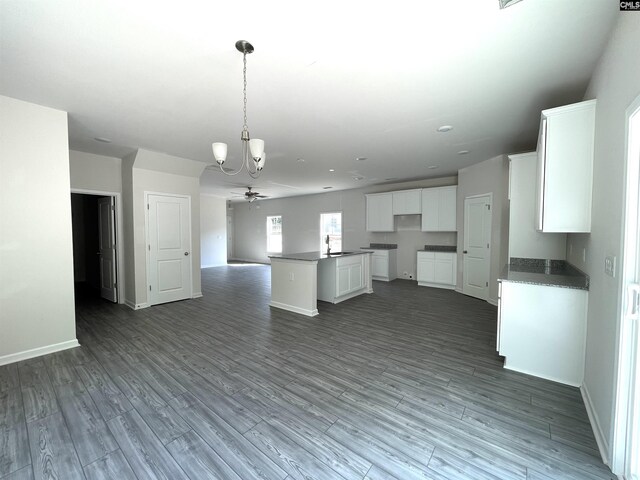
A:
[186,254]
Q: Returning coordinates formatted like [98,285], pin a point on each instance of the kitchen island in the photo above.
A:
[299,280]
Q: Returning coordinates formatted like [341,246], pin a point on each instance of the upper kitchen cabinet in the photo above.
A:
[565,168]
[407,202]
[380,212]
[439,209]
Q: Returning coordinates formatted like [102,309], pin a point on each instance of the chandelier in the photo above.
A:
[253,156]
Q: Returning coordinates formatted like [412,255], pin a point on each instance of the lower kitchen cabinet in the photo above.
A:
[344,277]
[437,269]
[542,330]
[384,264]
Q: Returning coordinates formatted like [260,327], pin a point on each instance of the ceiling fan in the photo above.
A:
[250,195]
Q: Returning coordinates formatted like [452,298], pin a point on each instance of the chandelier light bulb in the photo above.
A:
[219,152]
[257,148]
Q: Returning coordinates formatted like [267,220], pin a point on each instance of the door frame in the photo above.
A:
[627,351]
[489,250]
[146,239]
[120,277]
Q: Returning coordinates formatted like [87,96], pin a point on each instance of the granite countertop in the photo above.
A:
[381,246]
[315,256]
[439,248]
[552,273]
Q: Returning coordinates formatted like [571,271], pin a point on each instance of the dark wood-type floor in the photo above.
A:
[404,383]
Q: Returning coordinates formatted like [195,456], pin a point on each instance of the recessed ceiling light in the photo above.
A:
[300,160]
[445,128]
[103,139]
[361,159]
[326,188]
[431,167]
[463,152]
[358,178]
[332,169]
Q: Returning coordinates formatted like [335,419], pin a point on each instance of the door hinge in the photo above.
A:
[149,287]
[487,284]
[147,206]
[488,207]
[487,245]
[113,208]
[149,247]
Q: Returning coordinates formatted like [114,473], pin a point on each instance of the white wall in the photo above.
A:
[615,84]
[95,172]
[490,176]
[136,181]
[524,240]
[36,259]
[213,231]
[301,224]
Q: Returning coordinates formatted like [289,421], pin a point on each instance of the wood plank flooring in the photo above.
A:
[400,384]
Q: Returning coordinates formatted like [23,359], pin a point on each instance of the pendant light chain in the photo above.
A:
[244,91]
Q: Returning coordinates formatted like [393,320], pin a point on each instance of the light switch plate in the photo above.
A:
[610,266]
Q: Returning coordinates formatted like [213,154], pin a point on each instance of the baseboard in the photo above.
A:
[294,309]
[133,306]
[492,301]
[601,439]
[196,295]
[36,352]
[214,265]
[457,290]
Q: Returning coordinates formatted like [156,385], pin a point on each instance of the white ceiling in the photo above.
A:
[329,81]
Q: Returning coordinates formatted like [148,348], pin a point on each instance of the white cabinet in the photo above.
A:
[565,168]
[437,269]
[439,209]
[542,330]
[341,278]
[349,274]
[407,202]
[384,264]
[380,212]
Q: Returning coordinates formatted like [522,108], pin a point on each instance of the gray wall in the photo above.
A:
[301,224]
[37,313]
[615,84]
[213,231]
[490,176]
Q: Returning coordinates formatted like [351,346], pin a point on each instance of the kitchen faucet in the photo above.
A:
[328,247]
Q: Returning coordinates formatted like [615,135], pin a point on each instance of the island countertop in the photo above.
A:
[315,256]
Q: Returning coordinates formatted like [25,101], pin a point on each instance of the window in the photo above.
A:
[331,224]
[274,234]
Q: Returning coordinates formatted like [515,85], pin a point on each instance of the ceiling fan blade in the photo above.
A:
[262,196]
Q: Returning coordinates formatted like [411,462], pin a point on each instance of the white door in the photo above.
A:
[477,246]
[107,248]
[626,439]
[169,248]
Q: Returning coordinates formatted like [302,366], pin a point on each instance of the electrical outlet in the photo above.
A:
[610,266]
[405,274]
